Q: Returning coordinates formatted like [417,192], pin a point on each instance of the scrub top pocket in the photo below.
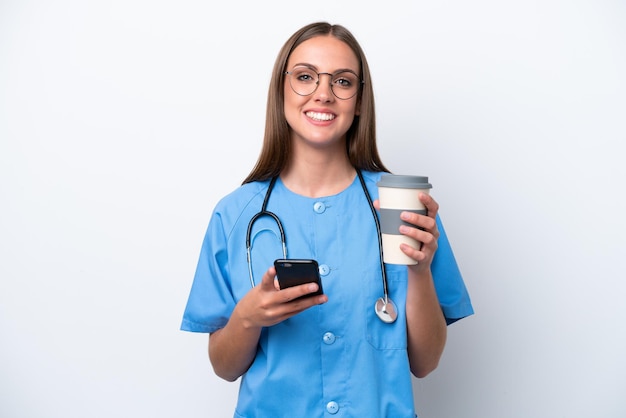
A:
[381,335]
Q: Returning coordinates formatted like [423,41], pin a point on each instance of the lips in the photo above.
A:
[319,116]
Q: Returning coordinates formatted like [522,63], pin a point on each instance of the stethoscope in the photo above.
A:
[384,307]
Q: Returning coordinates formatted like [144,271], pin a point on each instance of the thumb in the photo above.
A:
[267,282]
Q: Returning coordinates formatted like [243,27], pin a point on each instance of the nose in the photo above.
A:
[324,89]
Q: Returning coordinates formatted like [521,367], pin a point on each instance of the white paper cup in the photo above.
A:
[397,193]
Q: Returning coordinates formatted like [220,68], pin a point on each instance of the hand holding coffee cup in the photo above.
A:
[398,193]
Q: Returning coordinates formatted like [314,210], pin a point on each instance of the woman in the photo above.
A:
[329,353]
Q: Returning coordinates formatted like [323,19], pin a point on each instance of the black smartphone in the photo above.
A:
[298,271]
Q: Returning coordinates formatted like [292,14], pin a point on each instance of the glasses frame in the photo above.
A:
[331,75]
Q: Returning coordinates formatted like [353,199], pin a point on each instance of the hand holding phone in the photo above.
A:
[296,272]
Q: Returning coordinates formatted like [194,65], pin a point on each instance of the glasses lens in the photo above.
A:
[304,81]
[345,85]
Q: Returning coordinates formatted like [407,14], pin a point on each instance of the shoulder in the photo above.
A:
[242,196]
[240,201]
[371,179]
[372,176]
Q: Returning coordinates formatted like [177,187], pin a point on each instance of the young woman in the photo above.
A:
[327,354]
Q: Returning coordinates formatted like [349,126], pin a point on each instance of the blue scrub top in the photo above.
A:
[337,359]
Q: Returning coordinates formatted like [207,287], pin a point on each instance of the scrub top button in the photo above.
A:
[329,338]
[332,407]
[324,270]
[319,207]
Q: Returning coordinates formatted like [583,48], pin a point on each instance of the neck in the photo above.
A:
[318,177]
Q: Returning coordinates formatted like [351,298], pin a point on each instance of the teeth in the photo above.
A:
[320,116]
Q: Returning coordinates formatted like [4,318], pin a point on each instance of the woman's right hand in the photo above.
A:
[266,304]
[232,349]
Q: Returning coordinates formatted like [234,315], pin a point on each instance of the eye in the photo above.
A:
[304,75]
[345,80]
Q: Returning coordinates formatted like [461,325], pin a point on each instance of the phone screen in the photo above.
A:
[298,271]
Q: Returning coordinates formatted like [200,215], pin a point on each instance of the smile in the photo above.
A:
[320,116]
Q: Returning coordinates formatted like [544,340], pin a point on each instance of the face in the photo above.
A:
[321,119]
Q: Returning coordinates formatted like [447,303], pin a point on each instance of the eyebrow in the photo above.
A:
[313,67]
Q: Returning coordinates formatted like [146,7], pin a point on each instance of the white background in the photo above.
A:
[123,122]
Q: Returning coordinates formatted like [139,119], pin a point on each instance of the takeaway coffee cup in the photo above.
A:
[397,193]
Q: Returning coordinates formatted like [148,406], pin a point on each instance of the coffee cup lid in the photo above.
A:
[404,182]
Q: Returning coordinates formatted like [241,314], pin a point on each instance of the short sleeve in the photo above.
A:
[211,300]
[451,291]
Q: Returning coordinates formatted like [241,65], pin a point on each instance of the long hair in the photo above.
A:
[361,136]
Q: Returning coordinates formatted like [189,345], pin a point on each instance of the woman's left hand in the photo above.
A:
[425,232]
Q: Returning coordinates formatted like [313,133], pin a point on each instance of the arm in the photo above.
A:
[232,349]
[426,325]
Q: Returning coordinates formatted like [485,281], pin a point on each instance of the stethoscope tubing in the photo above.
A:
[264,212]
[378,233]
[386,310]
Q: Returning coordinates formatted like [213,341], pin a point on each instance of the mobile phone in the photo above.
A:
[293,272]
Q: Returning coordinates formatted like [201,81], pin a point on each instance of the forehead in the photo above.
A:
[326,53]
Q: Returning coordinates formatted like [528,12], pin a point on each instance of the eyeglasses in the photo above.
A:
[344,84]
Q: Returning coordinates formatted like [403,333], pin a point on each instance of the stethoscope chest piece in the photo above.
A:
[386,310]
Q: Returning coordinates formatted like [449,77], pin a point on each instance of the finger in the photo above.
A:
[427,246]
[427,236]
[431,205]
[412,252]
[290,293]
[376,204]
[301,296]
[293,307]
[421,221]
[267,282]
